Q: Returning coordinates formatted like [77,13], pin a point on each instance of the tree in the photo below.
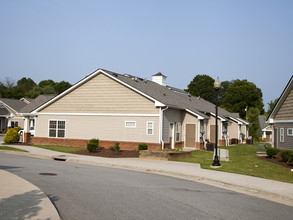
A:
[271,106]
[47,82]
[203,86]
[252,117]
[241,95]
[26,83]
[62,86]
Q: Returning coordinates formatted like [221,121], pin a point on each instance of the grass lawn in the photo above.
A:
[243,160]
[11,148]
[60,148]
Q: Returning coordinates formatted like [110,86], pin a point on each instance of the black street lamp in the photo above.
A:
[216,162]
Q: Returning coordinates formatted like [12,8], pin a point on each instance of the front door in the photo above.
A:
[190,135]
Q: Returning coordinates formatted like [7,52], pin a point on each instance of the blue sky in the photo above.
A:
[69,39]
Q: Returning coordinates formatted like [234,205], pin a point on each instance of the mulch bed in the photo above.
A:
[102,152]
[276,160]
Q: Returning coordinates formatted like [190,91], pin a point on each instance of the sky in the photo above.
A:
[69,39]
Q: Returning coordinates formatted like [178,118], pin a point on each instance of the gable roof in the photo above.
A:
[161,95]
[282,99]
[13,105]
[35,103]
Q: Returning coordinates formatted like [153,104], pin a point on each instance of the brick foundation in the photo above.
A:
[83,143]
[177,145]
[199,145]
[27,138]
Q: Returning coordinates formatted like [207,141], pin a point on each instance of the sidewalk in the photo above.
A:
[20,199]
[267,189]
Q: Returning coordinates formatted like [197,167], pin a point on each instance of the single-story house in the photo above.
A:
[9,113]
[281,119]
[265,129]
[131,110]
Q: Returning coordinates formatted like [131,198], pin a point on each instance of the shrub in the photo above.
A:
[271,152]
[93,145]
[142,146]
[286,155]
[12,135]
[115,147]
[291,158]
[178,149]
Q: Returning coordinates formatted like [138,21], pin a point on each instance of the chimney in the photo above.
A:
[160,79]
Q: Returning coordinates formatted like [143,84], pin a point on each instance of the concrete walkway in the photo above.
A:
[267,189]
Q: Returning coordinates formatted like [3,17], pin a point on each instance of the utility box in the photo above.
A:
[210,146]
[223,154]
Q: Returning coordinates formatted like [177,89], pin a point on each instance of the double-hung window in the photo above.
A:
[281,134]
[150,128]
[57,128]
[289,131]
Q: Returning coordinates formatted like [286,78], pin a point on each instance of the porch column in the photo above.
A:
[8,123]
[27,134]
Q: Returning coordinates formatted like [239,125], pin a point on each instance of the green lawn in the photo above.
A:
[11,148]
[243,160]
[60,148]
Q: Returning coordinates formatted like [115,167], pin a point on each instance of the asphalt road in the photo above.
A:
[91,192]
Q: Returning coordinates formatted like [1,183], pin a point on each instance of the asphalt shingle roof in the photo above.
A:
[172,96]
[15,104]
[37,102]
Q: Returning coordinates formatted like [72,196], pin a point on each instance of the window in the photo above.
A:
[14,124]
[289,131]
[281,134]
[150,128]
[177,132]
[56,128]
[130,124]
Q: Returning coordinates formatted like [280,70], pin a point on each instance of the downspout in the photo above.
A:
[161,125]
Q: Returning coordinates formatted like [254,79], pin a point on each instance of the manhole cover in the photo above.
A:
[48,174]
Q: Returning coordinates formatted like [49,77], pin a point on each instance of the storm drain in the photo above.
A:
[48,174]
[60,158]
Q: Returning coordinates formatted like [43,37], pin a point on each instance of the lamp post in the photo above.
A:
[216,162]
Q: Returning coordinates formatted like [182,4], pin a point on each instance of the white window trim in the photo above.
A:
[56,128]
[176,126]
[130,122]
[281,134]
[289,129]
[147,128]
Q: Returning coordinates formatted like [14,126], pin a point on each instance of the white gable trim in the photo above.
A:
[193,113]
[222,119]
[281,100]
[157,103]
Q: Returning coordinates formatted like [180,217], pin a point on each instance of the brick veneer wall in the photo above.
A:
[83,143]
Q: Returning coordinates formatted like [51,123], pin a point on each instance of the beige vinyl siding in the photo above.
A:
[171,115]
[286,110]
[102,94]
[233,130]
[243,129]
[212,121]
[20,121]
[190,119]
[103,127]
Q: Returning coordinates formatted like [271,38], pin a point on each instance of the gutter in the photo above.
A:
[161,125]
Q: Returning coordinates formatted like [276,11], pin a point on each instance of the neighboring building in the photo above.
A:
[265,129]
[132,110]
[281,118]
[9,113]
[29,118]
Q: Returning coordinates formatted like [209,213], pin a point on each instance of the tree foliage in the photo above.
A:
[203,86]
[271,107]
[252,117]
[242,95]
[26,87]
